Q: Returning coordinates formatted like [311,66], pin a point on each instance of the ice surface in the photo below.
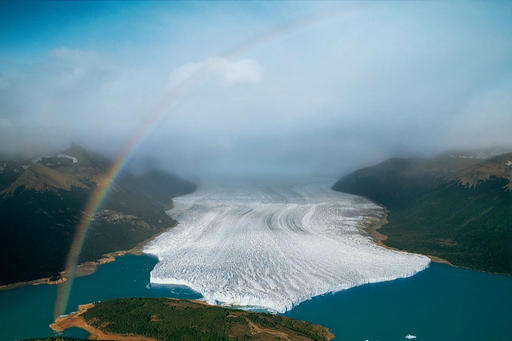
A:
[273,247]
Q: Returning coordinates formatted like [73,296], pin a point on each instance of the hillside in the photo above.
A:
[159,185]
[172,319]
[42,203]
[10,170]
[455,208]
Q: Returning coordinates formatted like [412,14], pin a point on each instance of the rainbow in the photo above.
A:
[102,188]
[104,184]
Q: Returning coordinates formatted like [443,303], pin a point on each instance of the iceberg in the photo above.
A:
[272,247]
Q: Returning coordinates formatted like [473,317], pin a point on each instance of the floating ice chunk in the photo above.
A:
[410,337]
[274,247]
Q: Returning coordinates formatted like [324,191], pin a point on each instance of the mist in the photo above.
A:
[331,87]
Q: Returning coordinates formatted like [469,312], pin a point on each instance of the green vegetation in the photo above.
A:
[471,227]
[167,319]
[453,208]
[43,204]
[55,338]
[395,182]
[162,186]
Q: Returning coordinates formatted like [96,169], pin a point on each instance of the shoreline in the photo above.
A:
[86,268]
[75,320]
[90,267]
[379,238]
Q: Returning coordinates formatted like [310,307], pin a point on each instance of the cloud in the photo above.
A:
[5,123]
[323,99]
[75,56]
[223,70]
[485,119]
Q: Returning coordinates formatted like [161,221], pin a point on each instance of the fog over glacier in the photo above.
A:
[274,246]
[302,88]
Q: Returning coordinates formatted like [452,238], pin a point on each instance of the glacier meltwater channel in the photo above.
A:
[274,246]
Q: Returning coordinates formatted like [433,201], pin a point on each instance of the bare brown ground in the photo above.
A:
[261,333]
[272,333]
[76,320]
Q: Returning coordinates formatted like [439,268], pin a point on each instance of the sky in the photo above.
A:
[275,88]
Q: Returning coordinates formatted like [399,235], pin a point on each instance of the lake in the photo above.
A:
[440,303]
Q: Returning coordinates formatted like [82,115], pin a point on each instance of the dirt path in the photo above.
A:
[258,330]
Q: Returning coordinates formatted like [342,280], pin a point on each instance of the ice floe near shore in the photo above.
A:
[273,247]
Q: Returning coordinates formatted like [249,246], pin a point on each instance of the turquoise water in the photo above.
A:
[27,312]
[440,303]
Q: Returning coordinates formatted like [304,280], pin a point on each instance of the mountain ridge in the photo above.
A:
[43,200]
[455,208]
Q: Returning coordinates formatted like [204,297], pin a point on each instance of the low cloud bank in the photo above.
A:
[323,99]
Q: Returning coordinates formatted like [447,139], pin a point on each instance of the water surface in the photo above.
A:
[440,303]
[28,311]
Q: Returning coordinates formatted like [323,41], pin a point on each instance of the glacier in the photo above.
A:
[273,246]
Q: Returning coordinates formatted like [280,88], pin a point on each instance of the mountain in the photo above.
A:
[41,202]
[10,170]
[159,185]
[456,207]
